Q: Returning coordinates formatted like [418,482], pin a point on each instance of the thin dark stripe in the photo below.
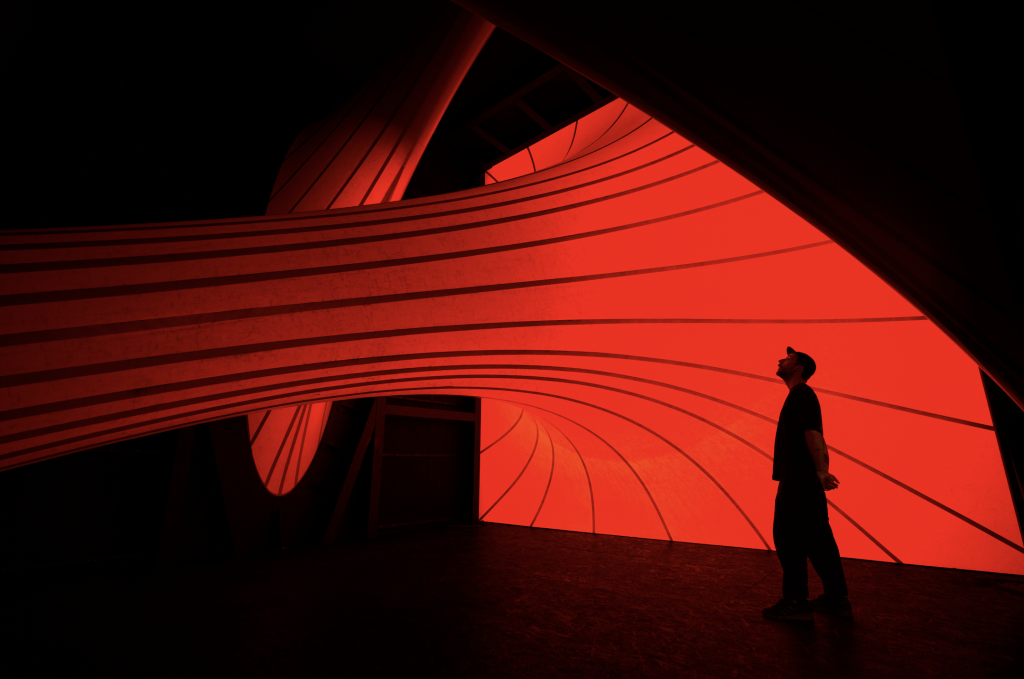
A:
[861,529]
[505,434]
[266,481]
[575,126]
[306,307]
[551,475]
[534,165]
[601,136]
[523,471]
[99,330]
[210,318]
[171,359]
[218,281]
[389,194]
[304,410]
[938,504]
[110,397]
[207,398]
[266,415]
[590,487]
[486,172]
[915,411]
[335,226]
[325,214]
[650,496]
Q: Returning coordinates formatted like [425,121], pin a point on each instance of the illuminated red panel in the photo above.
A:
[284,441]
[631,302]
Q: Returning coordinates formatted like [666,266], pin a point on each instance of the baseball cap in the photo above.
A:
[806,361]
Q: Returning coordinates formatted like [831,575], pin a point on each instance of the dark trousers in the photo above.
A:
[802,531]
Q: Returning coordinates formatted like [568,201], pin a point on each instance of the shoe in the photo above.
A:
[790,610]
[839,607]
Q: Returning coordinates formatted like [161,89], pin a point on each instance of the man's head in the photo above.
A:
[796,365]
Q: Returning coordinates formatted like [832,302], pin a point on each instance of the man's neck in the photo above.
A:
[793,381]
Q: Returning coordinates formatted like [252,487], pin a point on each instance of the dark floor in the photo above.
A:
[498,600]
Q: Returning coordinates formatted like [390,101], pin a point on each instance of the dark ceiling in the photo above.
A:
[177,116]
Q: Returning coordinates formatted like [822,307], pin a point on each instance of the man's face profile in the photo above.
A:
[788,366]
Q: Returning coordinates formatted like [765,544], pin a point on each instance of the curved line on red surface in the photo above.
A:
[95,369]
[278,310]
[575,126]
[938,504]
[284,440]
[551,475]
[620,455]
[625,105]
[241,350]
[868,535]
[239,279]
[590,486]
[608,143]
[266,416]
[125,395]
[484,450]
[638,478]
[303,416]
[528,461]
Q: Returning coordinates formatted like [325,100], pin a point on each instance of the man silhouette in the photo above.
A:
[801,528]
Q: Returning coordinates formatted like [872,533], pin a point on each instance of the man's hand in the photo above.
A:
[819,453]
[828,482]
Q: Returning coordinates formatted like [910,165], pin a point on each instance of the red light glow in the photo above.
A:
[621,311]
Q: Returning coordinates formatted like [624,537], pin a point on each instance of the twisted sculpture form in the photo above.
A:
[621,306]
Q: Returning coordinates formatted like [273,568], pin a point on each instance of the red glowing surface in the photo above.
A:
[284,441]
[623,308]
[686,455]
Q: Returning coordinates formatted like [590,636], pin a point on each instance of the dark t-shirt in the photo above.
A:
[793,461]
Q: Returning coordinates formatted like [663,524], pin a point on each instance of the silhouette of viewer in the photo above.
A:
[801,529]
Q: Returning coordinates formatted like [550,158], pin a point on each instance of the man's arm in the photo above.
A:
[819,453]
